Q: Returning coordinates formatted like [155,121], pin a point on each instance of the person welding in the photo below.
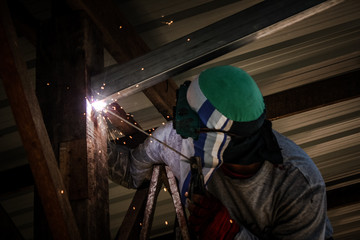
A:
[258,183]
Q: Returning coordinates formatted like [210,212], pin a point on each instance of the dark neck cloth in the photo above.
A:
[258,147]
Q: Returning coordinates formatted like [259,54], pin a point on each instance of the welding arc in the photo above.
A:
[149,135]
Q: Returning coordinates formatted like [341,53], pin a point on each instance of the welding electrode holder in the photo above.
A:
[197,185]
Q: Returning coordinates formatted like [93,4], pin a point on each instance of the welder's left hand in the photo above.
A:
[209,218]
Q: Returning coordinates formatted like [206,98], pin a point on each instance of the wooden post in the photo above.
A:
[31,127]
[69,52]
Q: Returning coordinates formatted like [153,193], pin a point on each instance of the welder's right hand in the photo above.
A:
[116,109]
[209,218]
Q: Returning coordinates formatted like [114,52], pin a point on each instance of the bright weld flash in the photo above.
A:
[99,105]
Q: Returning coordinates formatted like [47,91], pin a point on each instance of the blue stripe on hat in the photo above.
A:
[226,122]
[206,111]
[199,145]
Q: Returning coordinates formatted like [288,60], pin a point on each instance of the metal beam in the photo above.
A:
[203,45]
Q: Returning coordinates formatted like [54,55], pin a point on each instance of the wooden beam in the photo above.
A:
[124,44]
[31,127]
[63,76]
[313,95]
[204,45]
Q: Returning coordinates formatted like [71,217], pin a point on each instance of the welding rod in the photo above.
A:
[149,135]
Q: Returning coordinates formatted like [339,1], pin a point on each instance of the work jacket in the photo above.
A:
[286,201]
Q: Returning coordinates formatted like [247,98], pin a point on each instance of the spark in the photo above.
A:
[99,105]
[168,22]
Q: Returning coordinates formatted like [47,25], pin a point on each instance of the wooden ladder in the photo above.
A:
[138,220]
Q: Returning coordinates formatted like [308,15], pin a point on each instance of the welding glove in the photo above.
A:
[119,164]
[209,219]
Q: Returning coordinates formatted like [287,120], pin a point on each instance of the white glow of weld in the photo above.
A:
[99,105]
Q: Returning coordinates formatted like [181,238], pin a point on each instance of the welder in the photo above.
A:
[258,183]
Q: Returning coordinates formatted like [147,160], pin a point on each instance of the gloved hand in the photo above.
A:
[119,164]
[209,218]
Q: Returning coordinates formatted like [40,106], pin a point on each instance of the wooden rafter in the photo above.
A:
[32,130]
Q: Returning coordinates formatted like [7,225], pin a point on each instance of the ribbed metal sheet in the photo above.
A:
[326,134]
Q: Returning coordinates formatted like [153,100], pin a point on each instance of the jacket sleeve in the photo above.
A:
[154,152]
[130,167]
[301,217]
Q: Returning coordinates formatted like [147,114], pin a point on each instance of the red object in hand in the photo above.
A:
[209,219]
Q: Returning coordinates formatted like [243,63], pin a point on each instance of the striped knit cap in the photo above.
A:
[225,98]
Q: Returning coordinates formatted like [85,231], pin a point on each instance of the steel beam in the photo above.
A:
[203,45]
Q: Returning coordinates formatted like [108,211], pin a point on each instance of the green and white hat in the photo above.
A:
[227,93]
